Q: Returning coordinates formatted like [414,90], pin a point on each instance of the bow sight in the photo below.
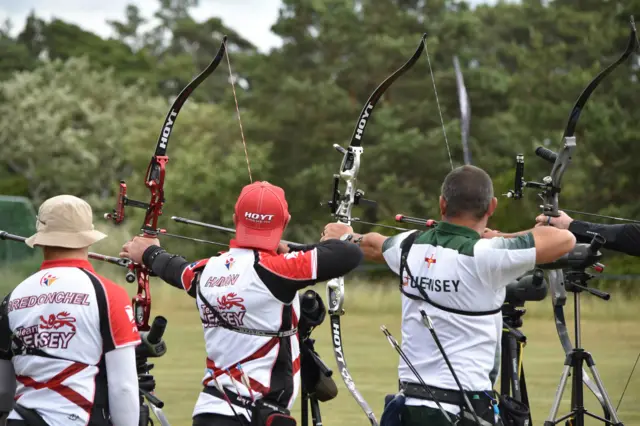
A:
[551,185]
[340,205]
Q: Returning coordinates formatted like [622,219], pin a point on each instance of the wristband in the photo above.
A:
[150,254]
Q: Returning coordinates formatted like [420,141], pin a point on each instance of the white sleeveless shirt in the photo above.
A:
[459,270]
[232,286]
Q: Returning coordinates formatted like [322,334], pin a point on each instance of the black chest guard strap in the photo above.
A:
[405,247]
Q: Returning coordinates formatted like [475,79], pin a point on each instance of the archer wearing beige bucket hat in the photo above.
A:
[65,221]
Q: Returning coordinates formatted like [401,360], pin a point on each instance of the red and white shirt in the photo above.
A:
[72,316]
[239,284]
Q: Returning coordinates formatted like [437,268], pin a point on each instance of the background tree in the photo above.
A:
[524,65]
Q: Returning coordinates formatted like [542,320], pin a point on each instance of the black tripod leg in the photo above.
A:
[515,361]
[525,394]
[577,396]
[304,409]
[505,363]
[315,412]
[509,380]
[144,414]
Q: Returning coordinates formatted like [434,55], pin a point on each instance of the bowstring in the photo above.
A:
[628,381]
[235,98]
[435,91]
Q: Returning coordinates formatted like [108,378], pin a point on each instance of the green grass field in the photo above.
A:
[611,333]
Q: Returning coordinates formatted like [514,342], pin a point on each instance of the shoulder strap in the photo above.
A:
[5,329]
[103,310]
[222,322]
[405,247]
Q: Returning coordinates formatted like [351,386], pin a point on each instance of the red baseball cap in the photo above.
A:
[261,216]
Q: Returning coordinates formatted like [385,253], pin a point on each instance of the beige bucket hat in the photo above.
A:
[65,221]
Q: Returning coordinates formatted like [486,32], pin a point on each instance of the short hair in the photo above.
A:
[468,191]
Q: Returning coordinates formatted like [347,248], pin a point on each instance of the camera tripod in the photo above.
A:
[316,382]
[148,401]
[152,346]
[512,378]
[576,282]
[309,398]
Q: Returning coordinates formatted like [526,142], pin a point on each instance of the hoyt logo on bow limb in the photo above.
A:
[259,218]
[363,121]
[337,347]
[166,130]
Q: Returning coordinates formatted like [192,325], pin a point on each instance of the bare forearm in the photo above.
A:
[513,234]
[371,246]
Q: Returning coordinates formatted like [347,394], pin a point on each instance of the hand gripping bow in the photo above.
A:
[341,205]
[154,180]
[551,186]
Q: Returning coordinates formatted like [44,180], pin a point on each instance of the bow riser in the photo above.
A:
[154,181]
[348,173]
[142,300]
[554,180]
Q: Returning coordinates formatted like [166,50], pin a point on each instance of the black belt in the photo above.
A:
[445,396]
[30,416]
[243,401]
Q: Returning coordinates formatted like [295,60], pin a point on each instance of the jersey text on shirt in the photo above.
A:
[431,284]
[58,297]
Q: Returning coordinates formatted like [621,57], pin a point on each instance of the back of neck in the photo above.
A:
[59,253]
[475,224]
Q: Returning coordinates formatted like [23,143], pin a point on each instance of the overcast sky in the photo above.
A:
[250,18]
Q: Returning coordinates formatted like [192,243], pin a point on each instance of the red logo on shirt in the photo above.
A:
[430,260]
[63,319]
[47,334]
[230,308]
[229,301]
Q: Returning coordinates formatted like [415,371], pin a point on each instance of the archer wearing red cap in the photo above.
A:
[248,304]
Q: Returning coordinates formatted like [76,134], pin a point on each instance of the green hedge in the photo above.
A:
[17,216]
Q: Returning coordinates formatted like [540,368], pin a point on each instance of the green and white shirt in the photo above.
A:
[458,270]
